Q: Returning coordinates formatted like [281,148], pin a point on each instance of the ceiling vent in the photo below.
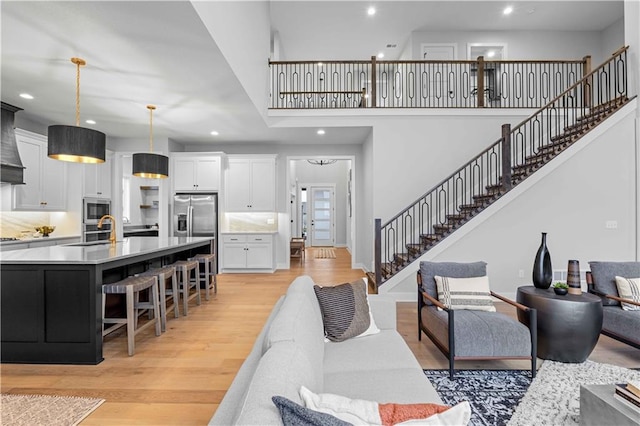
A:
[11,168]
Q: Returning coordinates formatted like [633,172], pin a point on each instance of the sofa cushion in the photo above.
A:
[387,350]
[428,270]
[283,369]
[629,288]
[399,385]
[621,323]
[465,293]
[604,277]
[479,333]
[345,311]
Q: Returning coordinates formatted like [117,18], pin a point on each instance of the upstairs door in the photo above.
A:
[322,217]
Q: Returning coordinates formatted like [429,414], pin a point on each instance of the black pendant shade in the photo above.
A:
[150,165]
[76,144]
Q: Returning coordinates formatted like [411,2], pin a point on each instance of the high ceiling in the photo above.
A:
[159,52]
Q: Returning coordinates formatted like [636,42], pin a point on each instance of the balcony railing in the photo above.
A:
[421,84]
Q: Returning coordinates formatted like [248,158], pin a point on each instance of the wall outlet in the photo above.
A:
[521,273]
[611,224]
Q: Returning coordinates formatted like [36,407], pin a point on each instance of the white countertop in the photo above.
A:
[97,254]
[30,240]
[248,232]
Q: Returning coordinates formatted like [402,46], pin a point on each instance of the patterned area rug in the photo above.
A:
[325,253]
[29,410]
[492,394]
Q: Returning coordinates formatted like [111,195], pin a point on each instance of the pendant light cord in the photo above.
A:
[151,108]
[79,63]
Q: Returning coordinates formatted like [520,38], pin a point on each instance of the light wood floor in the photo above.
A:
[180,377]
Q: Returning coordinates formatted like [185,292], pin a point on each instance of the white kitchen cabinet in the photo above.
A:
[97,178]
[45,179]
[251,185]
[248,253]
[196,173]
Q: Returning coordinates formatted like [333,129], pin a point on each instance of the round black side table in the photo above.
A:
[568,326]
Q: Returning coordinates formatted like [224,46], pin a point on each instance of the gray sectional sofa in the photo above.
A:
[291,352]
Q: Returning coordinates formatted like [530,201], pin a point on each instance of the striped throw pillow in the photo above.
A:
[345,310]
[465,293]
[629,288]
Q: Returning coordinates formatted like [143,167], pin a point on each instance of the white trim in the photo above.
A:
[454,45]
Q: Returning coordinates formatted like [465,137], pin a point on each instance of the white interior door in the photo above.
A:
[322,217]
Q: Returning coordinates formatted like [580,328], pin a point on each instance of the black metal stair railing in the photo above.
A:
[515,156]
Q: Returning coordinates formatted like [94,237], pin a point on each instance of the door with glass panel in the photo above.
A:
[322,216]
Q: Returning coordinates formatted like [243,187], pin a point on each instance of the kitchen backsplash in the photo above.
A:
[252,222]
[12,224]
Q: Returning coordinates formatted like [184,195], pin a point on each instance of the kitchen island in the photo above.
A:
[51,297]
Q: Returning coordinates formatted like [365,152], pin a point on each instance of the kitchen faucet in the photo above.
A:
[112,236]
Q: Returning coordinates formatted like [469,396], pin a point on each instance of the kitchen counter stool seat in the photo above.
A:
[207,272]
[184,268]
[163,274]
[131,288]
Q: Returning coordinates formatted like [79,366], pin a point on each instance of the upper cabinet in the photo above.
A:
[45,179]
[97,178]
[196,173]
[251,184]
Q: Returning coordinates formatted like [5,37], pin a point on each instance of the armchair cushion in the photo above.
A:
[621,323]
[604,277]
[465,293]
[428,270]
[479,333]
[629,288]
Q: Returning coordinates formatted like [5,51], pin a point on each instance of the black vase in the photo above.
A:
[542,273]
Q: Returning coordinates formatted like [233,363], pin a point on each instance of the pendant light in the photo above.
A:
[148,164]
[74,143]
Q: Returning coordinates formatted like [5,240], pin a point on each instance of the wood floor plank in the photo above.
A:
[180,377]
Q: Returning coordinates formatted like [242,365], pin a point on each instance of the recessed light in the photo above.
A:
[26,96]
[371,11]
[319,64]
[380,55]
[491,53]
[321,132]
[507,10]
[90,122]
[214,133]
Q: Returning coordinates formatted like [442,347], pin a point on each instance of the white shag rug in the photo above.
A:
[554,395]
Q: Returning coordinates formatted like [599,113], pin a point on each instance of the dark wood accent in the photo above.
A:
[377,252]
[374,82]
[68,311]
[506,157]
[480,82]
[19,301]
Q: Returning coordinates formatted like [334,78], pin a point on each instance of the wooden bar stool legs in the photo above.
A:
[183,270]
[163,274]
[207,272]
[131,288]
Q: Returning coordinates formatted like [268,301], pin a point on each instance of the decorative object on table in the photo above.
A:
[560,288]
[542,272]
[148,164]
[74,143]
[45,230]
[573,277]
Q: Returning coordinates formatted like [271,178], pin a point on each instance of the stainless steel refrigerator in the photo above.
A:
[195,215]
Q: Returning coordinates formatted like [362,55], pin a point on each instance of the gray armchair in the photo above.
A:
[471,334]
[617,323]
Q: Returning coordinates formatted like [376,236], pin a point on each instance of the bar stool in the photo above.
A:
[163,274]
[207,272]
[131,287]
[183,269]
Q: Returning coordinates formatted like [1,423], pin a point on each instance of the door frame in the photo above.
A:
[454,45]
[309,187]
[354,201]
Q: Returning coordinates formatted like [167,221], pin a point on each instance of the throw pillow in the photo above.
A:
[629,288]
[359,411]
[465,293]
[345,311]
[293,414]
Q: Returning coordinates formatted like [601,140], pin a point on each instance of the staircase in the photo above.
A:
[518,154]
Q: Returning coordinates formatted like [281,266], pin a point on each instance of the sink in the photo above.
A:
[90,243]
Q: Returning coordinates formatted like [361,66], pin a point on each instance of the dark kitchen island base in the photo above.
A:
[51,297]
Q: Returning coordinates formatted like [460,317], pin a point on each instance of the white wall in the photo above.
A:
[521,44]
[613,37]
[364,200]
[242,31]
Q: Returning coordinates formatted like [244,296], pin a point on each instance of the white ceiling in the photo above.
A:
[159,52]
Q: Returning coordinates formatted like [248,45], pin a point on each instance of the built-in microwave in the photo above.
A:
[94,208]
